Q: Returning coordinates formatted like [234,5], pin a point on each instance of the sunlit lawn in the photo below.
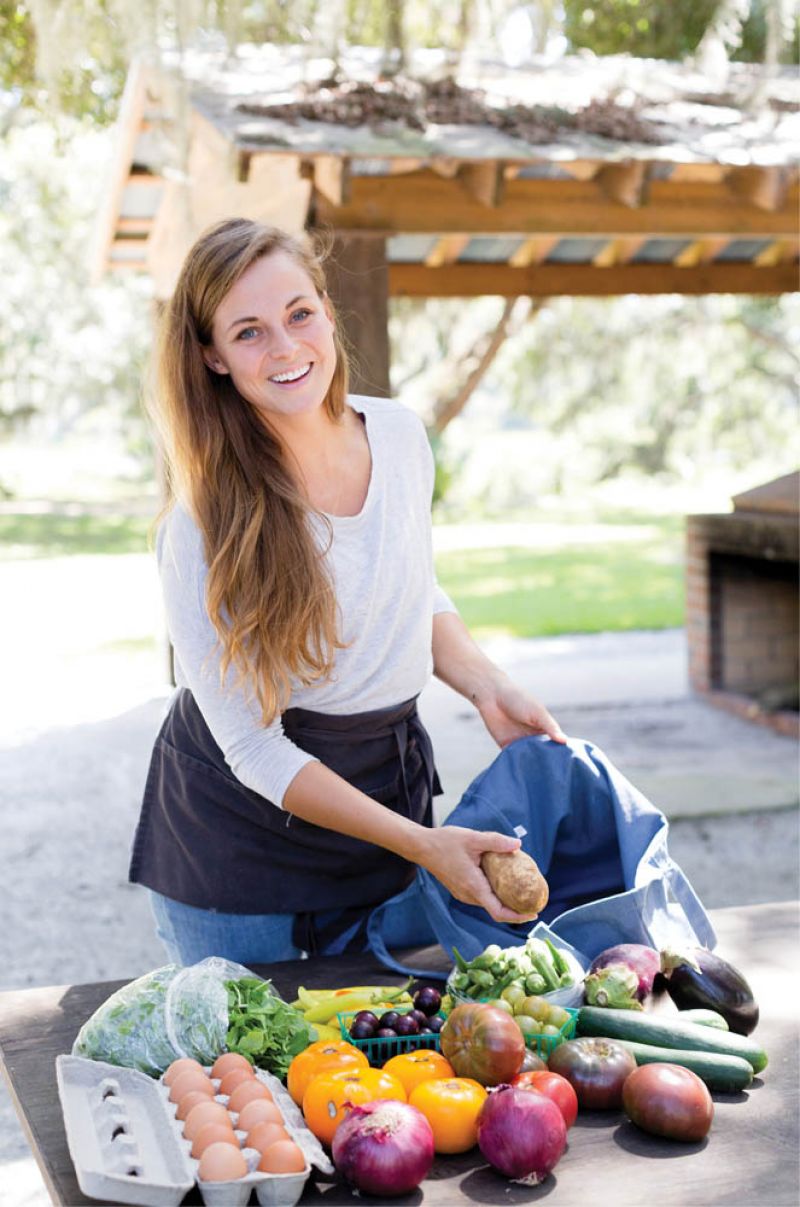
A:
[606,584]
[583,589]
[49,534]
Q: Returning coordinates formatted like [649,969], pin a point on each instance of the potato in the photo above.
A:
[516,880]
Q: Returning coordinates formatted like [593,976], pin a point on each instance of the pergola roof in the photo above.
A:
[617,175]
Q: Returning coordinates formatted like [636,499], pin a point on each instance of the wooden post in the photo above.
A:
[358,283]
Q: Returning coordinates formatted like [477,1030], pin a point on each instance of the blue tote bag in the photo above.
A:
[601,845]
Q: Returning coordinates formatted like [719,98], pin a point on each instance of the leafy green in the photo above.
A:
[262,1027]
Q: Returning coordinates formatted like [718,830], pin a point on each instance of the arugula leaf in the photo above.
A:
[262,1027]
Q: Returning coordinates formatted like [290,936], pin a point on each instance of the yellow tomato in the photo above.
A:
[412,1068]
[329,1096]
[451,1106]
[321,1057]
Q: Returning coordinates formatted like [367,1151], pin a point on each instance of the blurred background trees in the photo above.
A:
[655,386]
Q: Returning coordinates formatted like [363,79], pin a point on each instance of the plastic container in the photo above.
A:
[543,1045]
[379,1050]
[570,996]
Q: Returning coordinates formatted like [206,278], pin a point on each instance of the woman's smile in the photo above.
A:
[292,376]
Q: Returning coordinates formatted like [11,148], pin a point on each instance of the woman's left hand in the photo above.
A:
[509,713]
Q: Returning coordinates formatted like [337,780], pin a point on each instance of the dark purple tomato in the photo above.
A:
[362,1028]
[388,1019]
[427,999]
[386,1033]
[595,1068]
[435,1024]
[419,1018]
[406,1025]
[667,1100]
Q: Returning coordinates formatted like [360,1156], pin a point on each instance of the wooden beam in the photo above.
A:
[446,250]
[624,183]
[483,181]
[423,202]
[356,272]
[700,251]
[582,280]
[131,113]
[533,251]
[764,188]
[332,178]
[134,226]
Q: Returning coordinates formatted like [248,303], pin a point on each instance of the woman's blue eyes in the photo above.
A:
[248,332]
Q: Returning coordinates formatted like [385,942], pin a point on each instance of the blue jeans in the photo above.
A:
[190,934]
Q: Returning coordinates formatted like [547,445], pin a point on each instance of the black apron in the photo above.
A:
[206,840]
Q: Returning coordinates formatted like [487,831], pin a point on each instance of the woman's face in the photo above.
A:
[273,334]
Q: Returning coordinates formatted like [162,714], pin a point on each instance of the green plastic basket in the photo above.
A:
[379,1050]
[543,1045]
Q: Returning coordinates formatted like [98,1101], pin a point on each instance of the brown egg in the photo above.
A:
[221,1162]
[205,1112]
[213,1133]
[188,1102]
[264,1134]
[245,1093]
[260,1110]
[283,1157]
[181,1066]
[236,1077]
[184,1083]
[227,1061]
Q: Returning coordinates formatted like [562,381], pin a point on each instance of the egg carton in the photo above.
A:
[127,1144]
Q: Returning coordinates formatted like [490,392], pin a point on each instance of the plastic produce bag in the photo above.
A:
[165,1014]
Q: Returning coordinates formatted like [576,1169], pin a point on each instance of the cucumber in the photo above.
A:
[668,1031]
[728,1073]
[706,1018]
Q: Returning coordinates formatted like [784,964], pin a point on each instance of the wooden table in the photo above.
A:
[750,1156]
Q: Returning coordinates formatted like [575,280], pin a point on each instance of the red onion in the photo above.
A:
[384,1147]
[521,1134]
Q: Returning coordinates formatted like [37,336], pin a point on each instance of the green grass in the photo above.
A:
[584,589]
[608,584]
[53,534]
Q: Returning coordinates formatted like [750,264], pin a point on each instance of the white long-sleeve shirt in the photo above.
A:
[381,562]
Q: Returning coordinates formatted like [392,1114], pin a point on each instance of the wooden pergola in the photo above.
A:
[707,204]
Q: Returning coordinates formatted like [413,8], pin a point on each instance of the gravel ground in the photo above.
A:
[71,794]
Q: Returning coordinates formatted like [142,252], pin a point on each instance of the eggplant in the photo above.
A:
[699,979]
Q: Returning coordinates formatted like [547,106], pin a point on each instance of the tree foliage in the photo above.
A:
[71,355]
[653,29]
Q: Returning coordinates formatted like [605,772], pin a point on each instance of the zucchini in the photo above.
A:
[667,1031]
[728,1073]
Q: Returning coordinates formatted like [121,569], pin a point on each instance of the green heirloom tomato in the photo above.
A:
[513,994]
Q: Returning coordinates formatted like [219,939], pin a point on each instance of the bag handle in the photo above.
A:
[430,904]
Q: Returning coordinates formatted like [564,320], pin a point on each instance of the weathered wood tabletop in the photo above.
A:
[750,1155]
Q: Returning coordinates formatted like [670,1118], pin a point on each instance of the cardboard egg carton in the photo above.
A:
[128,1146]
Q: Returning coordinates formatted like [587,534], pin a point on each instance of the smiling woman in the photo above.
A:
[290,789]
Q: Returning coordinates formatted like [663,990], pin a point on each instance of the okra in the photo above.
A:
[546,971]
[535,984]
[559,963]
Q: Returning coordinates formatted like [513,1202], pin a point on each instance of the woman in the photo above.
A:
[291,785]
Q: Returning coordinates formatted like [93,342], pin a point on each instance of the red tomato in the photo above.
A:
[553,1086]
[483,1043]
[670,1101]
[595,1068]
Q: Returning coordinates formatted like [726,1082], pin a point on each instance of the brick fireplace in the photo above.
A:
[743,605]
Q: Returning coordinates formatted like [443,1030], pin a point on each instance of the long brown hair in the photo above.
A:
[268,593]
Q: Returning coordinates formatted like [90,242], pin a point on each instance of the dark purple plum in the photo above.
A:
[427,999]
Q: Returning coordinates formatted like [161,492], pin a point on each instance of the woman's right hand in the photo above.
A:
[453,855]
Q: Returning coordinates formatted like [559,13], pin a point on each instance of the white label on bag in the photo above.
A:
[520,831]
